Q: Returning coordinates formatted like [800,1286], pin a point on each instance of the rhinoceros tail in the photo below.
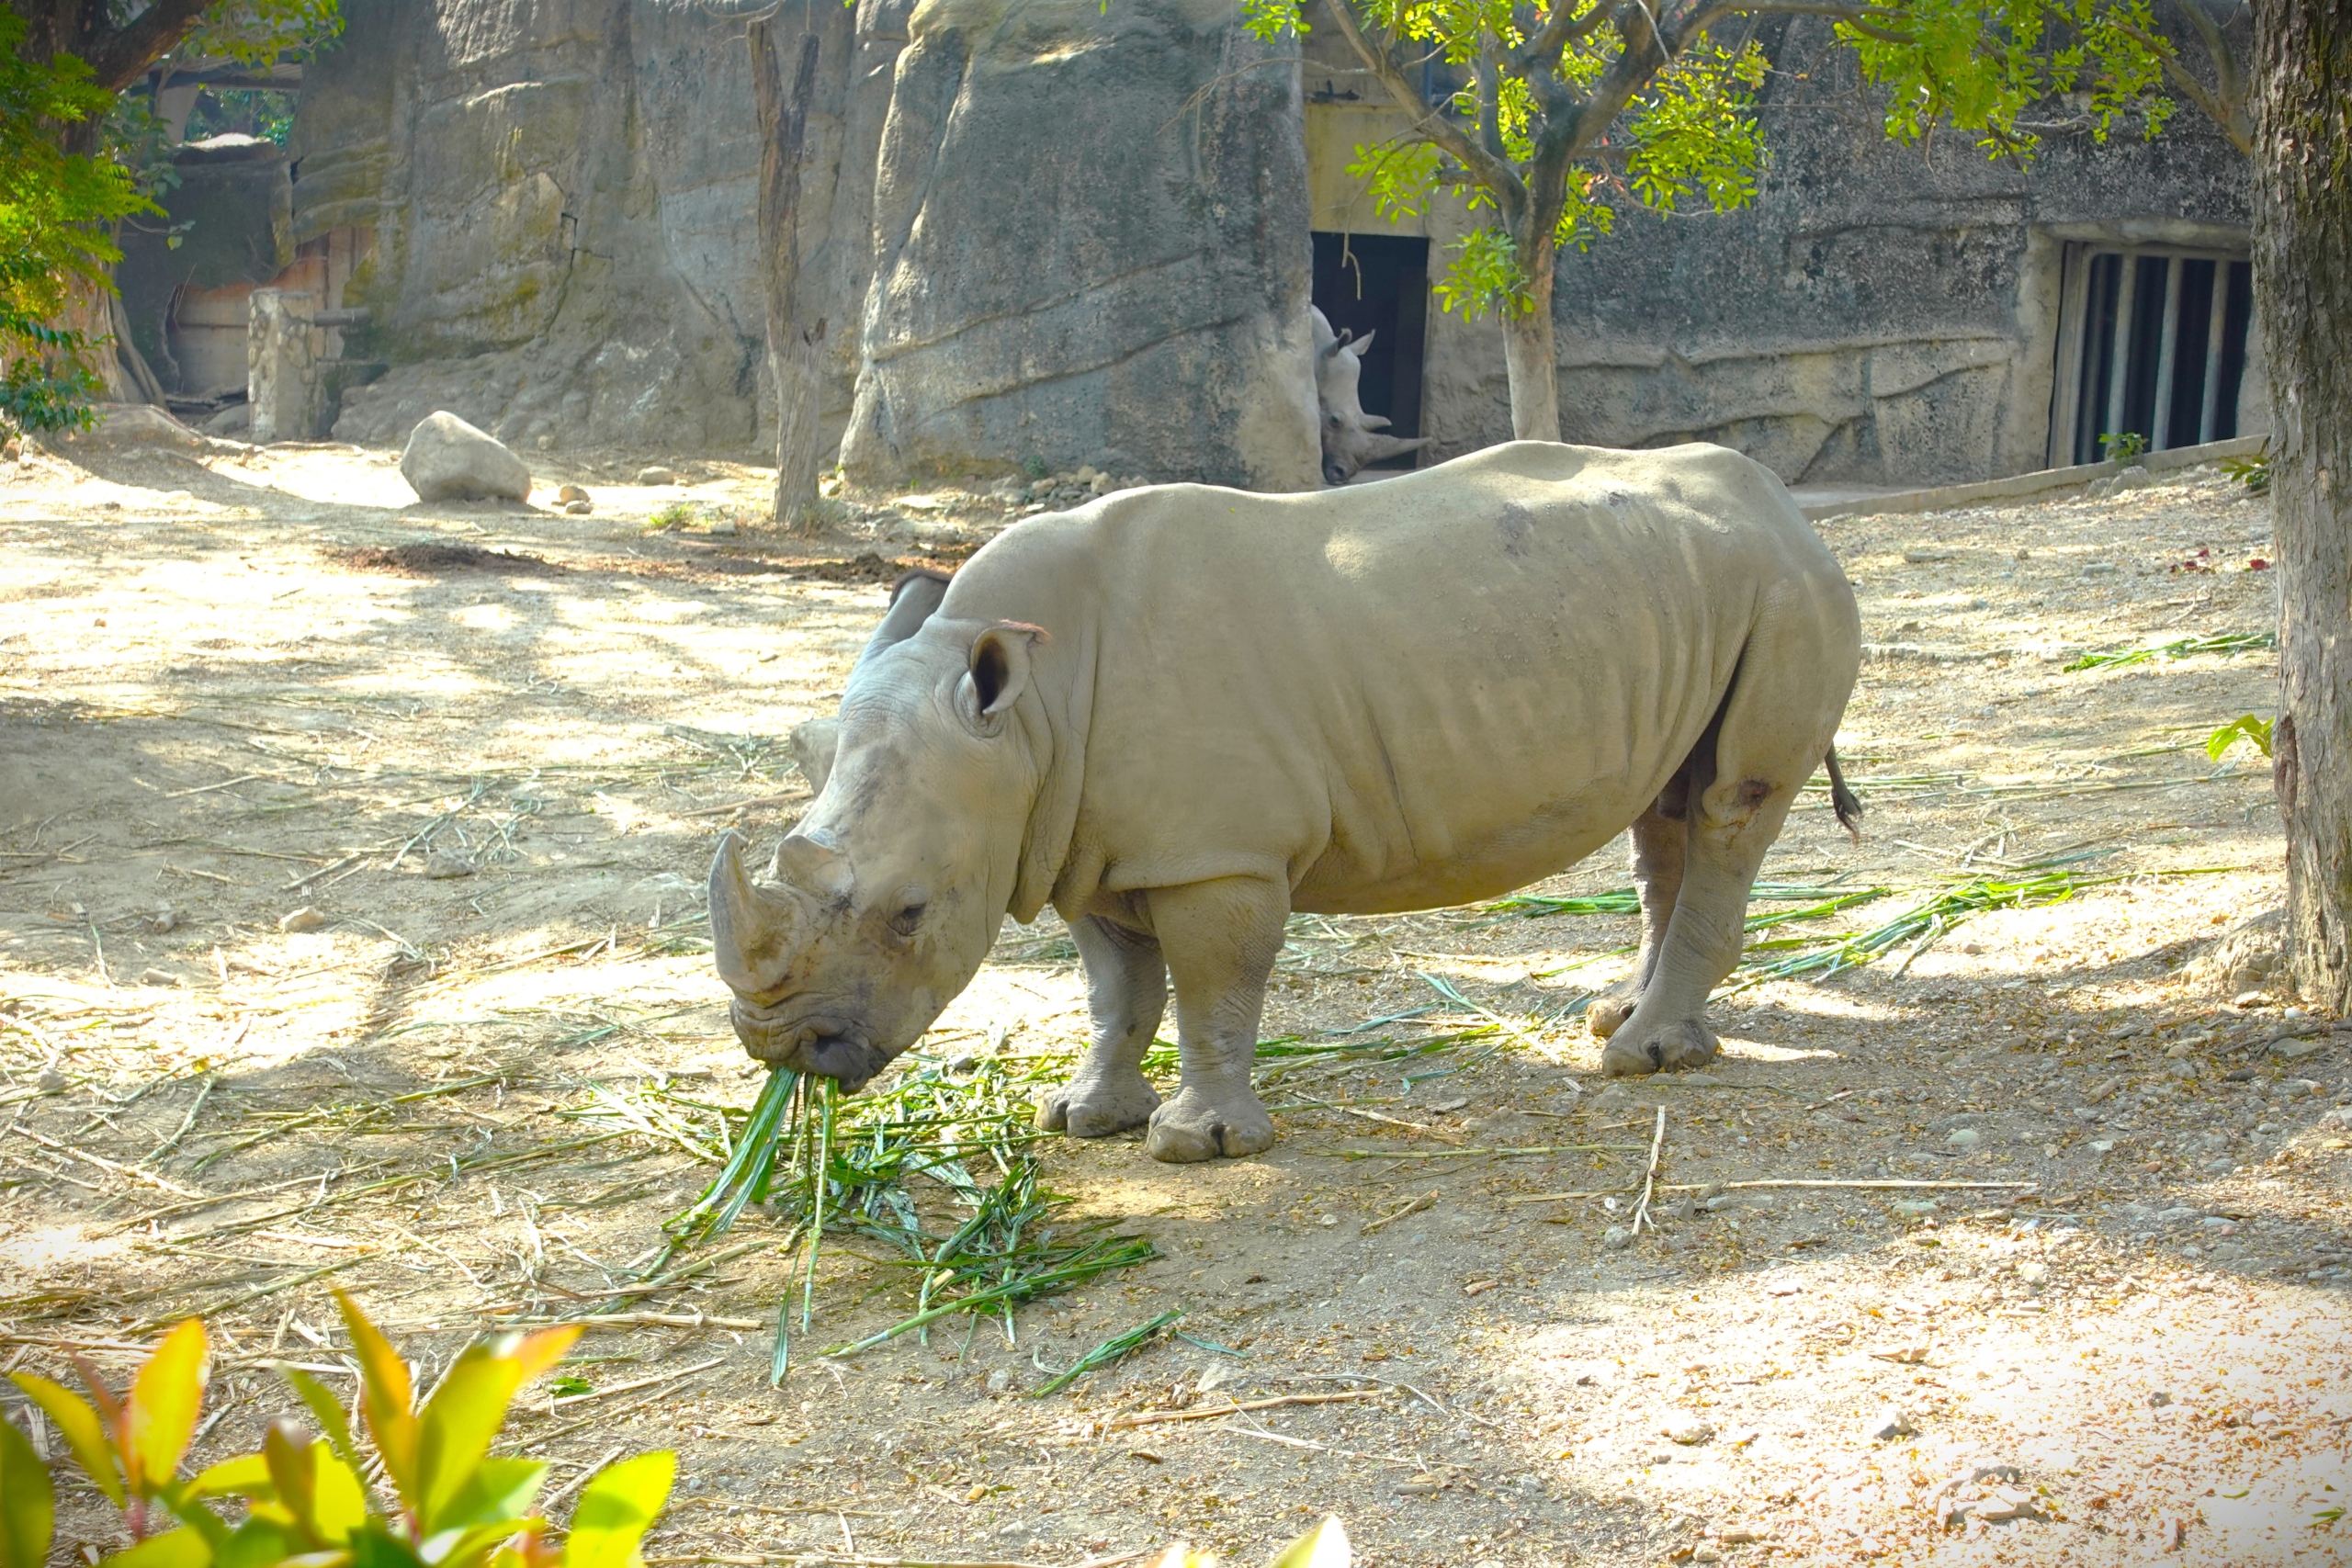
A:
[1843,801]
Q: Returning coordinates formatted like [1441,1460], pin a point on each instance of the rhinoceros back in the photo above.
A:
[1414,692]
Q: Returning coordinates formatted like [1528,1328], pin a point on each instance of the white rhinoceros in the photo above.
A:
[1180,712]
[1351,437]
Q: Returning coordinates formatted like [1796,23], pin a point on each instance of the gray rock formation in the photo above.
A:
[1091,247]
[558,205]
[1881,314]
[447,459]
[1042,232]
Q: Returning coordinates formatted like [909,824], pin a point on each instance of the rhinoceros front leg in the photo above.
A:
[1221,939]
[1127,990]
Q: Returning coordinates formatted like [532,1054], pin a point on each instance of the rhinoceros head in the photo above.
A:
[880,903]
[1351,437]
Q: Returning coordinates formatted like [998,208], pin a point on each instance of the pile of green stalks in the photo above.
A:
[1821,955]
[955,1130]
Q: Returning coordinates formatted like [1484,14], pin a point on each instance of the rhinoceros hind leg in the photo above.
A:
[1661,837]
[1193,1127]
[1678,1047]
[1096,1107]
[1126,984]
[1221,939]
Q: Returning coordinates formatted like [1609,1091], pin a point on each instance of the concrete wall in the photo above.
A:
[1880,315]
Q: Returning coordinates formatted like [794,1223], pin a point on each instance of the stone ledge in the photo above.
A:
[1945,498]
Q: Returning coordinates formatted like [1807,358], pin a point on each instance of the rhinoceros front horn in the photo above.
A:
[754,931]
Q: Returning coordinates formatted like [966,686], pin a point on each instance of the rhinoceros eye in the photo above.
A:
[909,917]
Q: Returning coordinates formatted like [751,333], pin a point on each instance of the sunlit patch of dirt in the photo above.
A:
[472,1082]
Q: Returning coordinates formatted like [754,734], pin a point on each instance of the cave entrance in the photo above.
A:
[1380,284]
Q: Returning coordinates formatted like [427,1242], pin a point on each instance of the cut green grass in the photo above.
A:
[1820,900]
[1117,1348]
[2181,648]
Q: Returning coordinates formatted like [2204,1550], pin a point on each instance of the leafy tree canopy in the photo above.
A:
[64,186]
[57,211]
[1555,117]
[1589,107]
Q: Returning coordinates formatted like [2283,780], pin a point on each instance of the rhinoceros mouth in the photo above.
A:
[815,1047]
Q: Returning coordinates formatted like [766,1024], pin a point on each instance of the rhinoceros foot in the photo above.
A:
[1096,1107]
[1193,1127]
[1670,1048]
[1609,1013]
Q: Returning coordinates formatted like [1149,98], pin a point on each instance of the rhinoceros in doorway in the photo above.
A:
[1180,713]
[1352,438]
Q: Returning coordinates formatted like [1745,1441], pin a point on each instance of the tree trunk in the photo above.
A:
[1528,353]
[794,348]
[2302,270]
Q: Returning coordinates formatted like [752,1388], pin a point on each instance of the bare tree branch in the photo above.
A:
[1561,28]
[1495,174]
[1872,21]
[2226,107]
[119,57]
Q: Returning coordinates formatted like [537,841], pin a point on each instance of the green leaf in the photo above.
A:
[288,1459]
[247,1475]
[2247,727]
[159,1415]
[259,1542]
[454,1430]
[376,1547]
[387,1395]
[174,1549]
[617,1509]
[1324,1546]
[333,1419]
[28,1502]
[339,1498]
[79,1427]
[498,1491]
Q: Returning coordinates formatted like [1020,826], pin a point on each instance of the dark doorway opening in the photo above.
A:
[1380,284]
[2163,349]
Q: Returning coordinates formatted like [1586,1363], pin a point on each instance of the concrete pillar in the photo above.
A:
[283,348]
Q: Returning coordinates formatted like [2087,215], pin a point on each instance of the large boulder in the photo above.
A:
[1090,246]
[447,459]
[128,428]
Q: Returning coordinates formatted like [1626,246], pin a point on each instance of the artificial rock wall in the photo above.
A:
[1045,231]
[1881,314]
[1086,252]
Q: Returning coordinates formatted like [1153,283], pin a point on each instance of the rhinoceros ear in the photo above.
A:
[998,671]
[1355,350]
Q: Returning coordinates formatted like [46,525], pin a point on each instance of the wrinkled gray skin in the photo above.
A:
[1181,712]
[1351,437]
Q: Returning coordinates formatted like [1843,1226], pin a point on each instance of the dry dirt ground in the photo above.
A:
[231,691]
